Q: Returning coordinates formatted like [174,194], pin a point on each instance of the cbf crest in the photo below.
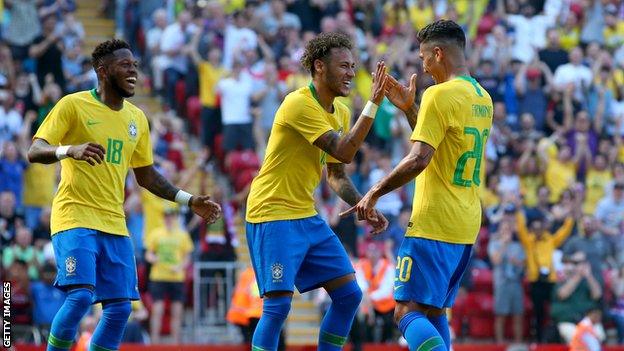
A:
[133,131]
[277,272]
[70,266]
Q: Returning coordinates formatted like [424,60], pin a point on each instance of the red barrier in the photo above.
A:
[367,347]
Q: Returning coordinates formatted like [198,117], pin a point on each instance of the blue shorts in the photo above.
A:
[429,271]
[302,253]
[90,257]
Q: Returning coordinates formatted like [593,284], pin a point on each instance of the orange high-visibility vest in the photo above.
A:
[237,314]
[387,303]
[583,327]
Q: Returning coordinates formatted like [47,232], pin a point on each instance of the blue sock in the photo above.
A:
[420,334]
[274,313]
[109,331]
[65,323]
[337,322]
[441,324]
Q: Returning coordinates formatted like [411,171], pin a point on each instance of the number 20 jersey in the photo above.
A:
[455,118]
[92,196]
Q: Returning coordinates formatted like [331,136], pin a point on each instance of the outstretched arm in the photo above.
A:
[158,185]
[344,148]
[340,182]
[409,168]
[42,152]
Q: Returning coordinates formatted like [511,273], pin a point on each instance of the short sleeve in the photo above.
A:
[306,117]
[142,155]
[58,122]
[432,121]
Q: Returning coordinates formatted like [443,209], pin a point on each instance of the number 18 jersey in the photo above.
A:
[455,118]
[92,196]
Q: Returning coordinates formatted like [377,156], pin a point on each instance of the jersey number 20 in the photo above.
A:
[477,153]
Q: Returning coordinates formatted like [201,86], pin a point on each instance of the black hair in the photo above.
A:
[443,30]
[320,47]
[105,49]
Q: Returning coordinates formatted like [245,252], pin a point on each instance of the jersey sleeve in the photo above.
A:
[58,122]
[306,117]
[142,155]
[433,120]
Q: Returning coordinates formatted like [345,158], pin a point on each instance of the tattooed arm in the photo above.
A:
[409,168]
[158,185]
[341,183]
[153,181]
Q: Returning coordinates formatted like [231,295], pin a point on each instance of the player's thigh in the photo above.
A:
[116,275]
[326,260]
[75,251]
[428,272]
[277,249]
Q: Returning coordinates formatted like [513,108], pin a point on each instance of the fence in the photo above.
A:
[213,285]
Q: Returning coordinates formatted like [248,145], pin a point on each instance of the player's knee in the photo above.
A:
[117,311]
[80,299]
[277,307]
[347,296]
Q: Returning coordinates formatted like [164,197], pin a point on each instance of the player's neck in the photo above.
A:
[110,98]
[324,96]
[452,72]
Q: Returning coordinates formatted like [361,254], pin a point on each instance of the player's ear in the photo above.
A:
[318,65]
[438,53]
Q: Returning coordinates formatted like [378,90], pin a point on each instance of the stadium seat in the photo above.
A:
[193,112]
[481,326]
[180,96]
[482,280]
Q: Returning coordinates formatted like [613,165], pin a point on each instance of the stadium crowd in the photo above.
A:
[551,248]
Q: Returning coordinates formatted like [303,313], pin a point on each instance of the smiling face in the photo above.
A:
[120,71]
[337,71]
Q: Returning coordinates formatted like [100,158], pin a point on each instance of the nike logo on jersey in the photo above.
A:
[91,122]
[397,287]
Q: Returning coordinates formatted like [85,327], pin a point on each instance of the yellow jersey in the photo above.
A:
[292,165]
[595,184]
[39,185]
[92,196]
[170,246]
[455,118]
[209,76]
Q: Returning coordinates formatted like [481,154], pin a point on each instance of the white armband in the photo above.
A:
[183,198]
[61,152]
[370,109]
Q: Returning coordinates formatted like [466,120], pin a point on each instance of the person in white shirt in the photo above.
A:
[236,90]
[575,73]
[154,55]
[238,38]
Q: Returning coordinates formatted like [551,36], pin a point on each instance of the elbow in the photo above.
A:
[32,154]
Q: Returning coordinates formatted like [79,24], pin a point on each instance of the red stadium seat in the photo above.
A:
[483,280]
[193,112]
[481,326]
[180,96]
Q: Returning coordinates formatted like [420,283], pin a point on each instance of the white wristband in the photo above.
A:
[370,110]
[183,198]
[61,152]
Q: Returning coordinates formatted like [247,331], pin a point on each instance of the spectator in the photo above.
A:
[12,167]
[609,212]
[47,50]
[553,55]
[379,274]
[597,178]
[237,39]
[560,163]
[575,74]
[23,27]
[268,93]
[532,85]
[47,299]
[23,251]
[539,246]
[134,332]
[508,260]
[236,91]
[154,55]
[389,205]
[593,244]
[21,299]
[168,250]
[576,292]
[617,310]
[10,218]
[10,118]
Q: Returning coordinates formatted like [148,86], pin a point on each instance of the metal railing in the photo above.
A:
[213,285]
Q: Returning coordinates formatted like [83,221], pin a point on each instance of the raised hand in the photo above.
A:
[401,96]
[90,152]
[379,83]
[206,209]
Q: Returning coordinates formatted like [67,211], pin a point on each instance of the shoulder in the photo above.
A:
[341,108]
[135,112]
[299,99]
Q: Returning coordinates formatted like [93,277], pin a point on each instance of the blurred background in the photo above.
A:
[551,246]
